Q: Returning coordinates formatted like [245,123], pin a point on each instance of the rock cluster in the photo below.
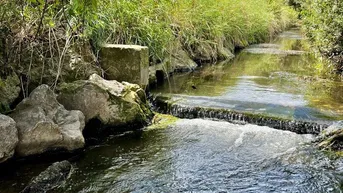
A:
[46,122]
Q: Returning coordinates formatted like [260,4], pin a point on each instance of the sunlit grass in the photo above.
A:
[157,24]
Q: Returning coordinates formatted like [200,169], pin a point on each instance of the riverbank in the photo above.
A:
[54,42]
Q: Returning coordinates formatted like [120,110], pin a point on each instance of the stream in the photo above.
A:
[207,155]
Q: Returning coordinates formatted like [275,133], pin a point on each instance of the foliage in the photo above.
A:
[42,41]
[323,22]
[193,23]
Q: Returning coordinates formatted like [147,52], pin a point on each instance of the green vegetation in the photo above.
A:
[323,23]
[53,41]
[162,121]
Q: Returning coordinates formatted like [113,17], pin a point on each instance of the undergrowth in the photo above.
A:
[323,24]
[53,41]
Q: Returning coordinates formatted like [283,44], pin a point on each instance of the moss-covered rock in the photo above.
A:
[162,121]
[113,103]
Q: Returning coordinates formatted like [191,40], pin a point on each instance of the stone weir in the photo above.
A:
[163,104]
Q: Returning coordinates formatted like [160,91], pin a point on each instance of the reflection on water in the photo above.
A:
[208,156]
[285,85]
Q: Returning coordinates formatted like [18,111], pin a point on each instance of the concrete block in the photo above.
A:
[128,63]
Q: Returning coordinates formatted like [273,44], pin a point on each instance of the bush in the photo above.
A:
[323,23]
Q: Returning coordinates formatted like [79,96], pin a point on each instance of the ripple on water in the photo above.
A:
[206,156]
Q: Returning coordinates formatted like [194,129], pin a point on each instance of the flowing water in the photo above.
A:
[277,79]
[199,155]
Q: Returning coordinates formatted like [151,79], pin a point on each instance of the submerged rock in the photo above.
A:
[54,176]
[162,121]
[44,124]
[8,137]
[111,102]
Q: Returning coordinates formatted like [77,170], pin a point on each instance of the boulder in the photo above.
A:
[44,124]
[8,137]
[108,101]
[224,53]
[54,176]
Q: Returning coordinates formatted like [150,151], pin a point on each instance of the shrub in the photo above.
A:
[323,23]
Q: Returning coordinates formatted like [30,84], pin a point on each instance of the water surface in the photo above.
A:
[277,79]
[206,156]
[198,155]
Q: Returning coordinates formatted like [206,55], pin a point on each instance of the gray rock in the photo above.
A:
[54,176]
[8,137]
[224,53]
[44,124]
[111,102]
[182,62]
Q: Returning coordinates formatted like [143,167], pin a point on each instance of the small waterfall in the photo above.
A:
[163,105]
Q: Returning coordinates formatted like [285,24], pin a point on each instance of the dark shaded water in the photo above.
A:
[212,156]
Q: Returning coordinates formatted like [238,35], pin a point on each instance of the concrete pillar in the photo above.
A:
[128,63]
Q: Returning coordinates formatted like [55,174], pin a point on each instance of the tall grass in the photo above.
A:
[44,41]
[156,24]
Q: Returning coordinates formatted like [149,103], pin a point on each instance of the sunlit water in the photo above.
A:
[206,156]
[275,79]
[212,156]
